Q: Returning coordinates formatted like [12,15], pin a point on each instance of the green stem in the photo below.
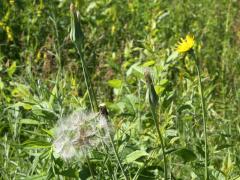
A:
[117,157]
[57,48]
[92,97]
[138,109]
[104,113]
[89,166]
[161,141]
[204,116]
[153,101]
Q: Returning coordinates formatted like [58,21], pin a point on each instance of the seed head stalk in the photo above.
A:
[104,113]
[204,115]
[117,157]
[161,141]
[91,93]
[77,37]
[89,166]
[153,101]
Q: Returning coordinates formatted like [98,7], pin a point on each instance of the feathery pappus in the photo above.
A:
[80,132]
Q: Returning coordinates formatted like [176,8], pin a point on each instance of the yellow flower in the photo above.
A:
[1,24]
[11,2]
[9,33]
[185,44]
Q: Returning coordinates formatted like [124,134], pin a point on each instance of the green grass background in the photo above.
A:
[41,80]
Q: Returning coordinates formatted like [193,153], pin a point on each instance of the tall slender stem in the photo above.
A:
[89,166]
[204,117]
[92,97]
[138,109]
[153,101]
[161,141]
[117,157]
[104,113]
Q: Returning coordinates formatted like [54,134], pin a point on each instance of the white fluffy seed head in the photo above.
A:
[78,133]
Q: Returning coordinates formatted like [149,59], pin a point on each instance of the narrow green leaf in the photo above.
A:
[135,155]
[115,83]
[36,144]
[148,63]
[30,121]
[12,69]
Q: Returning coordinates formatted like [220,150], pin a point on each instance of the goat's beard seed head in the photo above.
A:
[79,133]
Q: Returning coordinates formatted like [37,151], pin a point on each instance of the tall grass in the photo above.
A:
[54,61]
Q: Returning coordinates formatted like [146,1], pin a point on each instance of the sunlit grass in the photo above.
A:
[180,120]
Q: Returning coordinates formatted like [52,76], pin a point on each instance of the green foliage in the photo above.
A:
[42,81]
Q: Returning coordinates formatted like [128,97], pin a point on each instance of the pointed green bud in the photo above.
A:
[76,33]
[152,95]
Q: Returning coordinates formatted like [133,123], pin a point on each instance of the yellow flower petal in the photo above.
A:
[185,44]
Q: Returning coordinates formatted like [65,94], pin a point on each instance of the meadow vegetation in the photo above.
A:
[120,89]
